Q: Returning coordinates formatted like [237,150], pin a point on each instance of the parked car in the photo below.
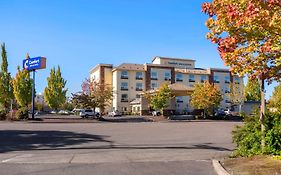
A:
[220,113]
[63,112]
[53,112]
[115,114]
[156,113]
[230,112]
[88,113]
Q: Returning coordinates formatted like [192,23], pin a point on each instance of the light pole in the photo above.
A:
[33,94]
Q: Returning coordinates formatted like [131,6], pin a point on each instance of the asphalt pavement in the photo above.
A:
[137,148]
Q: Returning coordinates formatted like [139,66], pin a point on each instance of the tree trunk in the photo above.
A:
[262,114]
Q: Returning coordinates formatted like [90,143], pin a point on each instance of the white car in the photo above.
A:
[156,113]
[88,112]
[115,113]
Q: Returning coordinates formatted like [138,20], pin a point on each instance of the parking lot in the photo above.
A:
[113,148]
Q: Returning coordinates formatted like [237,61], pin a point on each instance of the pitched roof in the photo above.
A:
[130,66]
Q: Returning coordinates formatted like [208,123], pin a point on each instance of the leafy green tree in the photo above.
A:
[22,86]
[252,90]
[248,37]
[275,99]
[205,96]
[6,87]
[236,95]
[159,100]
[93,95]
[55,92]
[81,100]
[68,106]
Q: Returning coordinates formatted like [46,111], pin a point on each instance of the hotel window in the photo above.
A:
[138,96]
[216,79]
[153,85]
[191,78]
[138,86]
[179,77]
[124,74]
[226,89]
[179,99]
[227,79]
[124,86]
[227,100]
[139,75]
[237,80]
[203,78]
[153,76]
[124,98]
[167,76]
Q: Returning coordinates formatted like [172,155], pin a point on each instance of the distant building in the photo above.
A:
[130,80]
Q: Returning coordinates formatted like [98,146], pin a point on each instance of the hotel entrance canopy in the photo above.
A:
[179,89]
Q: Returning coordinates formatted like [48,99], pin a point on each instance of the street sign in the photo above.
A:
[34,63]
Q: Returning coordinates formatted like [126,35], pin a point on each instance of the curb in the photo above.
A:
[218,168]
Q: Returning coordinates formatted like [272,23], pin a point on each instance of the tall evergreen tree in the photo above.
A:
[55,92]
[22,86]
[252,90]
[6,88]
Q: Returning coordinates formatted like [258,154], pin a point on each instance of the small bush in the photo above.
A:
[248,137]
[3,115]
[22,113]
[3,112]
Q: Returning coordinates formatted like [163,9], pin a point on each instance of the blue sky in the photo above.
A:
[78,34]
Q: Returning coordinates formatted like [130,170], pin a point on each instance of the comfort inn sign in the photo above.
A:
[34,63]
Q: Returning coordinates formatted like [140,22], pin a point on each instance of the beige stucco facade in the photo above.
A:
[131,80]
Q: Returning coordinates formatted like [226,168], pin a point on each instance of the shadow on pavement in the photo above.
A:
[23,140]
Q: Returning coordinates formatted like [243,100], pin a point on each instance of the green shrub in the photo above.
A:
[273,135]
[3,112]
[3,115]
[22,113]
[248,137]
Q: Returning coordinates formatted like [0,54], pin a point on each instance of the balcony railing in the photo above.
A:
[139,78]
[154,78]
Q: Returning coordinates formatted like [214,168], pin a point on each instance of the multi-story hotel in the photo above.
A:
[129,81]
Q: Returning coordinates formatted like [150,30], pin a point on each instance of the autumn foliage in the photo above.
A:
[205,96]
[248,35]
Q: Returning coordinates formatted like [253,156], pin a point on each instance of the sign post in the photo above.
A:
[33,64]
[33,94]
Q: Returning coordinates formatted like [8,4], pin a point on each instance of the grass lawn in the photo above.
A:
[257,165]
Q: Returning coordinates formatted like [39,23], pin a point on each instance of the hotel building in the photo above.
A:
[129,81]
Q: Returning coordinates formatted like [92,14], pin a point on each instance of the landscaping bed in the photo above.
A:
[257,165]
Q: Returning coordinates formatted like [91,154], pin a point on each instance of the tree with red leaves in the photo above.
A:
[248,35]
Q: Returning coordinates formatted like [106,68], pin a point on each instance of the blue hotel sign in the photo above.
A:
[34,63]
